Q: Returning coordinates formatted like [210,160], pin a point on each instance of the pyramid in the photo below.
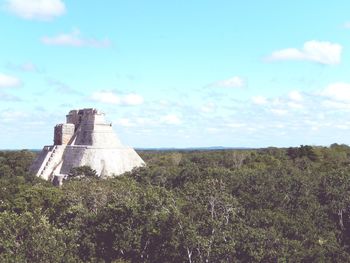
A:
[86,139]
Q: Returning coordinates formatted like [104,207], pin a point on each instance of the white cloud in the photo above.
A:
[295,105]
[36,9]
[8,97]
[234,82]
[236,125]
[25,67]
[163,103]
[343,126]
[347,24]
[171,119]
[295,96]
[279,112]
[259,100]
[74,39]
[7,81]
[278,126]
[292,101]
[207,108]
[143,121]
[277,102]
[109,97]
[61,87]
[125,122]
[132,99]
[9,115]
[331,104]
[316,51]
[136,121]
[339,91]
[28,67]
[213,130]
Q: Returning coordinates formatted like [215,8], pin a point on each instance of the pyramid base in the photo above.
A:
[106,162]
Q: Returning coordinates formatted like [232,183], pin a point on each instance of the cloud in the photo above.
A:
[7,81]
[212,130]
[132,99]
[125,122]
[36,9]
[279,112]
[316,51]
[28,67]
[343,126]
[8,97]
[75,39]
[347,25]
[12,115]
[61,87]
[295,95]
[236,125]
[171,119]
[292,101]
[134,121]
[208,107]
[153,120]
[337,105]
[295,105]
[25,67]
[338,91]
[259,100]
[107,97]
[234,82]
[110,97]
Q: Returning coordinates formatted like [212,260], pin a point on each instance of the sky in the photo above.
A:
[184,73]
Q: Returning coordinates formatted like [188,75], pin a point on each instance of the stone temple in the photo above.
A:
[85,139]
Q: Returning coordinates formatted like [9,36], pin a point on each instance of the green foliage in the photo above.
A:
[82,172]
[266,205]
[29,237]
[303,151]
[15,163]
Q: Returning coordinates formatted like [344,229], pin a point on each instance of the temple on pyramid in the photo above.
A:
[86,139]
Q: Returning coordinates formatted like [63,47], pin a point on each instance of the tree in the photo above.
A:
[30,237]
[82,172]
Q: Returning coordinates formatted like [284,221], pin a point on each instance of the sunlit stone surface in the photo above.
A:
[85,139]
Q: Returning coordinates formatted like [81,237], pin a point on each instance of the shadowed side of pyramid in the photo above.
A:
[85,139]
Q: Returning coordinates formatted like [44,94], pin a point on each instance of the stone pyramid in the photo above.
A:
[85,139]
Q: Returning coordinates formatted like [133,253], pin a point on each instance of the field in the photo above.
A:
[263,205]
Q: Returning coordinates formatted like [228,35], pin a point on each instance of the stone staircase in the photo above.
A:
[51,162]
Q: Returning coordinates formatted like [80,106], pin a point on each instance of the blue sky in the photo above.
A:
[178,73]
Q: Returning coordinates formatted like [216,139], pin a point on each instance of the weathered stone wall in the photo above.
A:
[63,133]
[106,162]
[49,159]
[40,159]
[86,139]
[94,131]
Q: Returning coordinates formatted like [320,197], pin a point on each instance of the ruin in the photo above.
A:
[86,139]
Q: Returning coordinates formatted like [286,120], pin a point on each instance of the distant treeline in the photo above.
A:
[261,205]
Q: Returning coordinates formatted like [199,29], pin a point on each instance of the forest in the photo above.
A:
[254,205]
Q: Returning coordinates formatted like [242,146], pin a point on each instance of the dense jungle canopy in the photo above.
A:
[263,205]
